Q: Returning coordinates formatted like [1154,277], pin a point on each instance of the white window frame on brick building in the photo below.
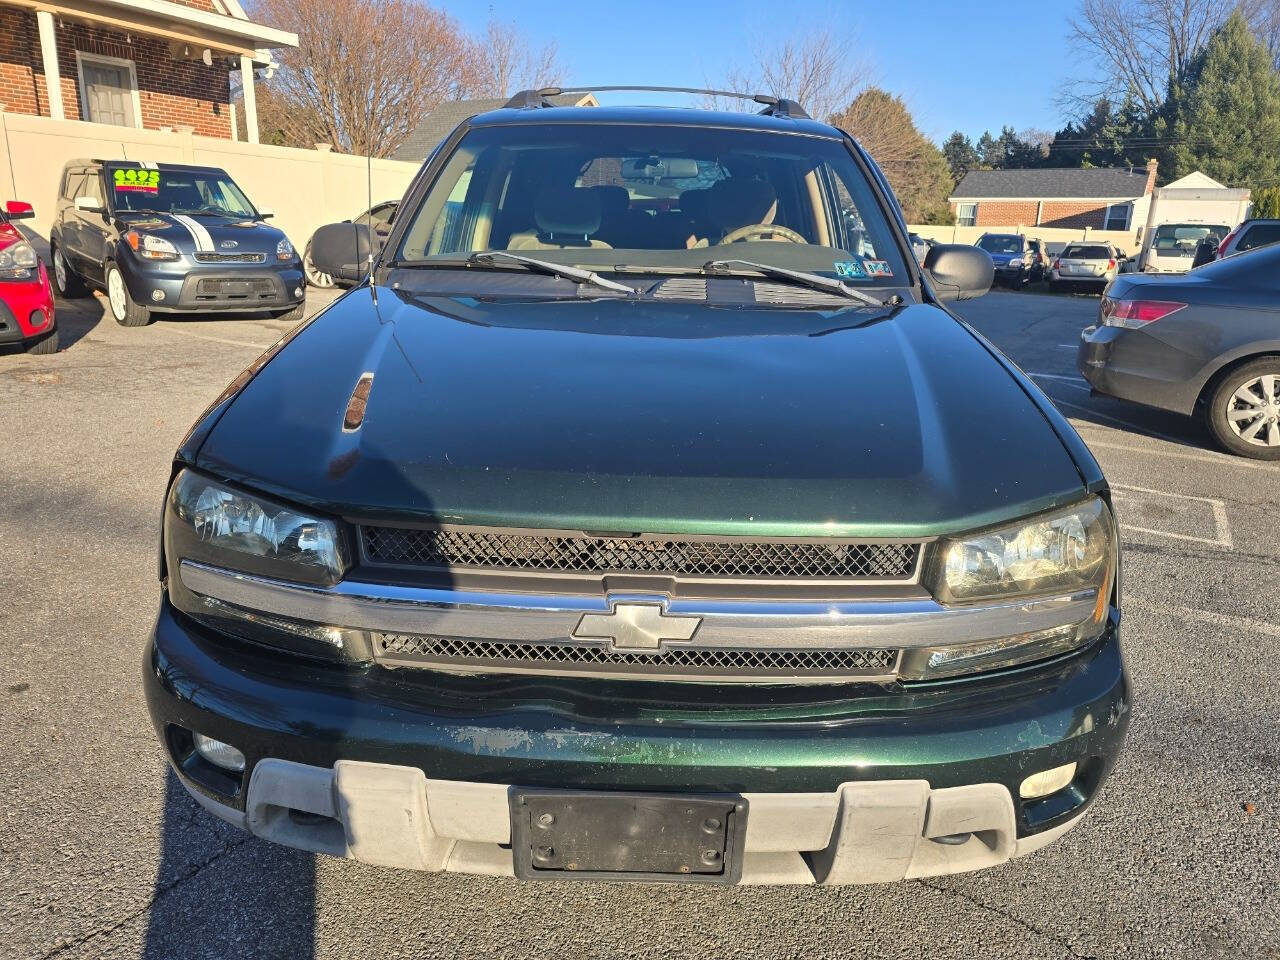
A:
[131,70]
[966,214]
[1118,213]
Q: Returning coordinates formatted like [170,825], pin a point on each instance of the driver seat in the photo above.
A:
[735,203]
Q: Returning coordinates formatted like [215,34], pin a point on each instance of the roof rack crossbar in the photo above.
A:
[773,106]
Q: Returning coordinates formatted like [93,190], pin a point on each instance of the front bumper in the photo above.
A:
[187,288]
[844,784]
[26,308]
[1133,365]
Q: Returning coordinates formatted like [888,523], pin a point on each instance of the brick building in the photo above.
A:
[135,63]
[1103,198]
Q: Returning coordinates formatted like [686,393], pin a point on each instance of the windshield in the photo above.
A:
[177,191]
[653,199]
[998,244]
[1181,238]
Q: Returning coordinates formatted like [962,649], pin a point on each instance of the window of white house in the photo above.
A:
[1118,215]
[108,90]
[966,214]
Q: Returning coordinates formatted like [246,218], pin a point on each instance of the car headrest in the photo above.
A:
[614,200]
[737,203]
[567,212]
[693,203]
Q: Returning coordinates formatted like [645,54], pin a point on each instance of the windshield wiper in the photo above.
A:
[554,269]
[211,213]
[813,281]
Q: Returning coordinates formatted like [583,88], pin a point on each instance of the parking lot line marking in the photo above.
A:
[205,336]
[1220,522]
[1221,459]
[1211,617]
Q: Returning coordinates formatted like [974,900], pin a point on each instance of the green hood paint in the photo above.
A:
[642,416]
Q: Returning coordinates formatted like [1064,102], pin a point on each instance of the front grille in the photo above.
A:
[231,258]
[534,552]
[701,663]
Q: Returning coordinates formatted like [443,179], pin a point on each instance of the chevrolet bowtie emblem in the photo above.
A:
[636,627]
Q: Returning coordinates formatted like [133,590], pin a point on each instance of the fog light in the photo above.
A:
[157,295]
[297,291]
[1047,781]
[219,754]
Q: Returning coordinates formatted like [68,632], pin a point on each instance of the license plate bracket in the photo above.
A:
[597,835]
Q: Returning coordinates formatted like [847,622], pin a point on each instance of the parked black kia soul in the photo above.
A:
[169,238]
[642,515]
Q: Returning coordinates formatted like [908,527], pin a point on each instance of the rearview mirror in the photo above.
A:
[89,205]
[342,250]
[959,272]
[17,210]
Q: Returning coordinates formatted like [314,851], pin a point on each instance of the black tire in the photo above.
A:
[46,344]
[1223,401]
[293,314]
[67,286]
[134,314]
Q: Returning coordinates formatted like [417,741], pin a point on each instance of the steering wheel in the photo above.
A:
[763,231]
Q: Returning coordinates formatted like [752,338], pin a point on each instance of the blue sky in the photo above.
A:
[965,65]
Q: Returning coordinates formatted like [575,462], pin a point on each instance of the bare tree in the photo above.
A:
[365,72]
[815,68]
[505,62]
[1140,44]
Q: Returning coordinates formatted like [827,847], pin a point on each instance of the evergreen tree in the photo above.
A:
[915,167]
[960,155]
[989,153]
[1224,118]
[1266,203]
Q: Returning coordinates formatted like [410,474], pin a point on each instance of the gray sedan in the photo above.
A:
[1205,343]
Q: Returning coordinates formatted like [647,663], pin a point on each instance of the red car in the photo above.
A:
[26,300]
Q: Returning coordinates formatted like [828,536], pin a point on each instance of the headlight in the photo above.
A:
[1068,553]
[210,522]
[284,249]
[17,261]
[1060,552]
[149,246]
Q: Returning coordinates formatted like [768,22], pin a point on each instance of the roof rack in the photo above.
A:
[773,106]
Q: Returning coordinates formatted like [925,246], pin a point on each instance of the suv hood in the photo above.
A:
[605,415]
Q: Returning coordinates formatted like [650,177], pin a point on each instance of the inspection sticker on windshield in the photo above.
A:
[877,268]
[140,181]
[849,268]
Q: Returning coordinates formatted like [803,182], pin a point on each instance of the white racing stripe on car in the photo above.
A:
[204,242]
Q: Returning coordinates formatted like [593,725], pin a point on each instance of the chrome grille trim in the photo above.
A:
[727,627]
[533,551]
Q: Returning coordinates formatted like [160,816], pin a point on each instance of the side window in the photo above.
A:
[92,187]
[71,186]
[1259,236]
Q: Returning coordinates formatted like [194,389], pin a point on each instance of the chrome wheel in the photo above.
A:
[116,295]
[314,276]
[1253,411]
[59,270]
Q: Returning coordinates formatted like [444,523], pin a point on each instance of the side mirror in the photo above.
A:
[959,272]
[342,250]
[17,210]
[266,213]
[89,205]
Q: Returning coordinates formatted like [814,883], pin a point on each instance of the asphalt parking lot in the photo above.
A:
[103,855]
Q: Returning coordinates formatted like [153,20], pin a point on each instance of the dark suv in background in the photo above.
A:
[629,521]
[169,238]
[1012,255]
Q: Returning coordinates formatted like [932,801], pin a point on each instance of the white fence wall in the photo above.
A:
[1126,241]
[306,188]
